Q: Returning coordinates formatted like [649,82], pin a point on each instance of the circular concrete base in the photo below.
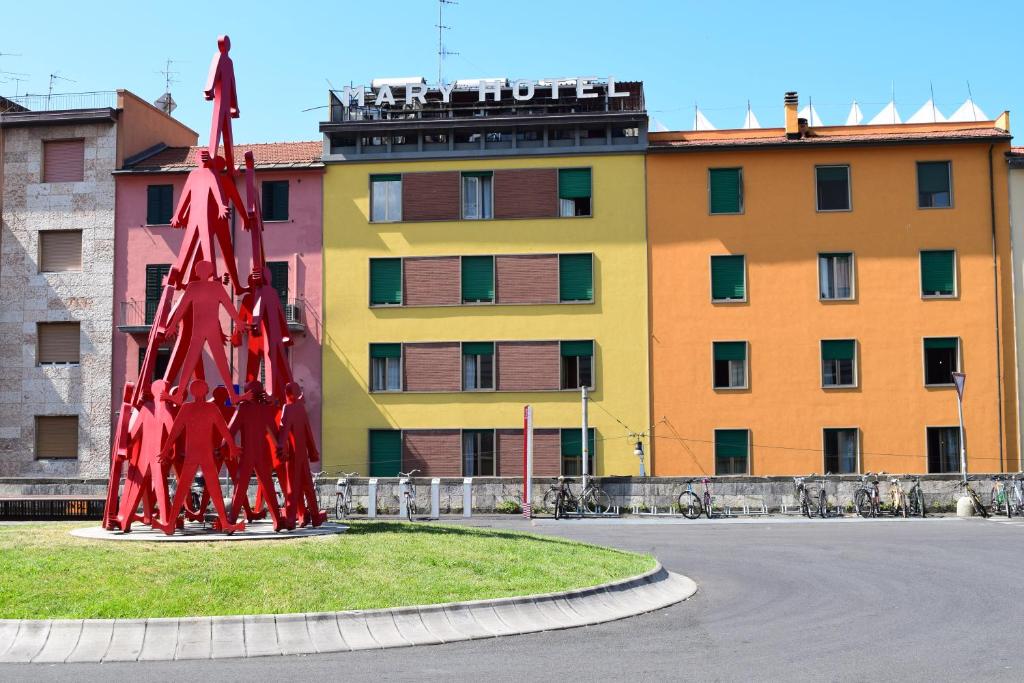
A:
[260,530]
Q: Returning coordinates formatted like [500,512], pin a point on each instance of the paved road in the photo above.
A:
[935,599]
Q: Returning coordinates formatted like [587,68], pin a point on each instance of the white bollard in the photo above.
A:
[965,507]
[467,497]
[403,486]
[435,498]
[371,498]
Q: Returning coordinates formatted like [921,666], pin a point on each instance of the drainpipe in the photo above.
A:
[995,299]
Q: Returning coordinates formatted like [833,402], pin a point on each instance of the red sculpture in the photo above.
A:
[157,432]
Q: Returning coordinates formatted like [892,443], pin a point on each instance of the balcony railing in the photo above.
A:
[65,101]
[137,316]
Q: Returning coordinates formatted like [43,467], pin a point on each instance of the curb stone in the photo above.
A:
[260,635]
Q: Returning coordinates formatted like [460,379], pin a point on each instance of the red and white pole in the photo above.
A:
[527,461]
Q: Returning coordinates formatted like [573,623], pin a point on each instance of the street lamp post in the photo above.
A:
[959,379]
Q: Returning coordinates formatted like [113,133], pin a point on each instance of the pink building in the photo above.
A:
[147,189]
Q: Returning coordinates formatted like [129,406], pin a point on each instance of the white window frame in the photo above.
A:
[746,365]
[849,188]
[714,454]
[917,184]
[853,277]
[824,454]
[391,186]
[479,194]
[924,359]
[856,364]
[711,281]
[959,436]
[477,361]
[387,364]
[956,274]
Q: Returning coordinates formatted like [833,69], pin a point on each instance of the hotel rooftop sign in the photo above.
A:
[398,92]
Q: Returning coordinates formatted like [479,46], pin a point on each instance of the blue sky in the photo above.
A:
[718,54]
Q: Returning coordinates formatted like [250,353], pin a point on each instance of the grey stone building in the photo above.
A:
[57,204]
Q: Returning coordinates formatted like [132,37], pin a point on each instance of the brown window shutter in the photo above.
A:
[527,279]
[547,453]
[63,161]
[434,452]
[432,366]
[58,342]
[60,250]
[433,196]
[528,366]
[432,281]
[56,436]
[526,193]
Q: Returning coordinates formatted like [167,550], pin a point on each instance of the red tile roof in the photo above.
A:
[267,155]
[700,141]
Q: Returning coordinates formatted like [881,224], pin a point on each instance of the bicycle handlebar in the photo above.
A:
[408,474]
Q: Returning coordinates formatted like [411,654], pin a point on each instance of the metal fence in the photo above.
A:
[65,101]
[33,509]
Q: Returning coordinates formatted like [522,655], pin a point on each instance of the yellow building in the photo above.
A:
[482,255]
[813,290]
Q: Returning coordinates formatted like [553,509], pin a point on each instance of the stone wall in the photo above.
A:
[28,297]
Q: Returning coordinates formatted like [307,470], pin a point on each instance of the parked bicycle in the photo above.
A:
[979,507]
[867,499]
[691,505]
[898,498]
[343,496]
[916,498]
[593,499]
[1001,494]
[409,493]
[1017,494]
[808,504]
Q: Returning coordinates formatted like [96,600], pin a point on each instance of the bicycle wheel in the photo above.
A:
[808,506]
[559,505]
[823,510]
[548,505]
[689,504]
[597,501]
[979,507]
[862,501]
[707,504]
[917,502]
[904,506]
[410,506]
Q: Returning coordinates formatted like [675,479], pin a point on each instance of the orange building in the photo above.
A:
[813,290]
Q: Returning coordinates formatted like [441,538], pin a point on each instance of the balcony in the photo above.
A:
[136,317]
[105,99]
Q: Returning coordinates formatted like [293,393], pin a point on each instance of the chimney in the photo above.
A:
[792,102]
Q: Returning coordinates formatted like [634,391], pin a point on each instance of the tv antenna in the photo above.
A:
[55,76]
[165,102]
[442,51]
[16,76]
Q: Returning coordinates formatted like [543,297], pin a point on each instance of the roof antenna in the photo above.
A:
[442,51]
[55,76]
[165,102]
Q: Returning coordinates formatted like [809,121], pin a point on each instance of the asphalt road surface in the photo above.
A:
[845,600]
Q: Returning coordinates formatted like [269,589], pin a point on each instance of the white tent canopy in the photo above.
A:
[855,116]
[700,122]
[887,115]
[928,113]
[811,114]
[750,121]
[968,111]
[658,127]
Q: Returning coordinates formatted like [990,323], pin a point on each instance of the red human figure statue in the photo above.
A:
[118,454]
[146,478]
[297,448]
[203,299]
[220,87]
[255,214]
[256,422]
[203,427]
[268,337]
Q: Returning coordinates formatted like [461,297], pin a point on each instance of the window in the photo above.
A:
[385,282]
[941,360]
[155,274]
[938,273]
[730,365]
[60,251]
[478,453]
[159,204]
[477,365]
[574,192]
[478,279]
[577,364]
[943,450]
[731,451]
[57,343]
[839,363]
[385,452]
[841,451]
[728,278]
[725,190]
[576,277]
[279,280]
[163,357]
[833,187]
[477,195]
[385,367]
[933,185]
[572,451]
[835,276]
[275,200]
[385,198]
[56,436]
[63,161]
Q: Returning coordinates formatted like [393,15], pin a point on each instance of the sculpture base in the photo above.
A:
[260,530]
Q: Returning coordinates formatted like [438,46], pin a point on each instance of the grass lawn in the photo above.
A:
[47,573]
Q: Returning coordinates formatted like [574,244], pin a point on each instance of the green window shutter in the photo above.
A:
[385,350]
[725,188]
[576,277]
[477,174]
[385,281]
[940,343]
[155,274]
[730,350]
[159,204]
[275,200]
[572,442]
[731,443]
[727,278]
[279,279]
[833,173]
[933,176]
[477,278]
[385,452]
[578,348]
[385,177]
[838,349]
[573,183]
[937,273]
[478,348]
